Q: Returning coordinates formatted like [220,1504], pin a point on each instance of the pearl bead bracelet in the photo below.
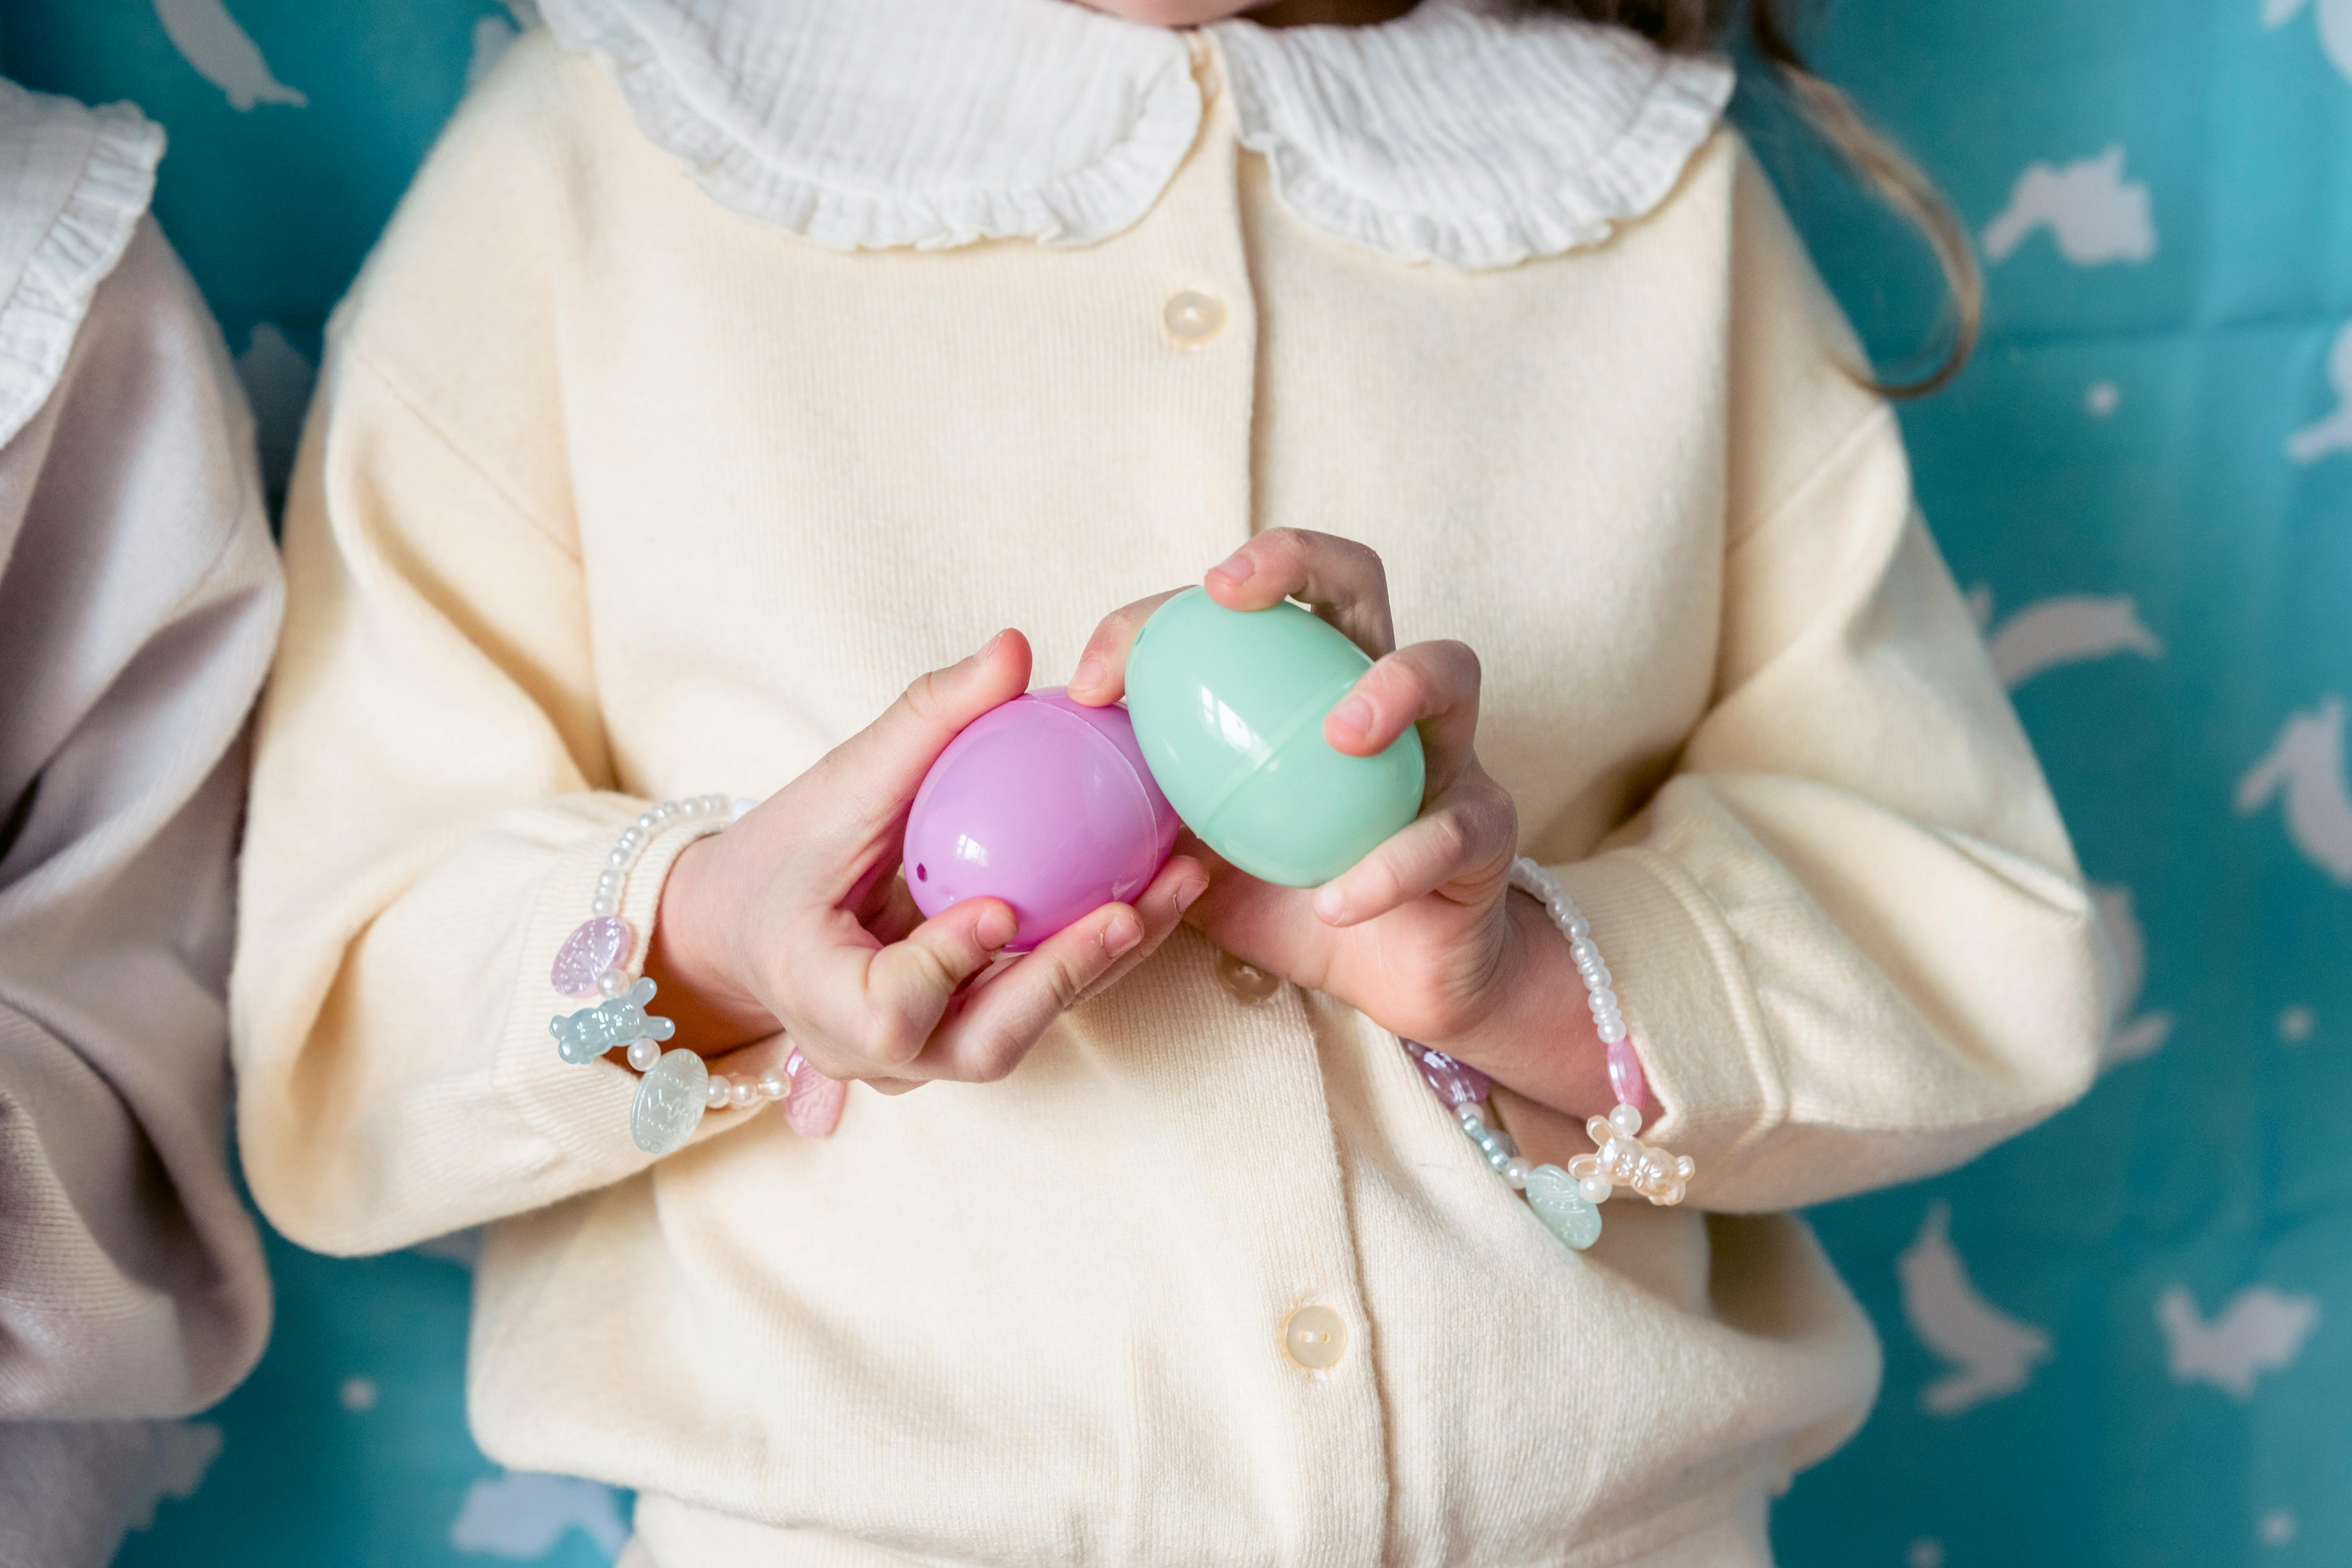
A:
[1568,1202]
[1622,1160]
[677,1088]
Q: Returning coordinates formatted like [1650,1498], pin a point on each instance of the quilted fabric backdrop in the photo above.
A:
[2124,1341]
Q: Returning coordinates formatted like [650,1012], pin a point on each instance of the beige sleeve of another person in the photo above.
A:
[1848,933]
[138,601]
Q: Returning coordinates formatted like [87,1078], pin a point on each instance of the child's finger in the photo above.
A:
[1432,684]
[986,1038]
[1267,926]
[863,785]
[1342,580]
[897,992]
[1161,908]
[1468,840]
[1192,848]
[892,913]
[1101,675]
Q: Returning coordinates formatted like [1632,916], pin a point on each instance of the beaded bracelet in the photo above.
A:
[677,1088]
[1568,1202]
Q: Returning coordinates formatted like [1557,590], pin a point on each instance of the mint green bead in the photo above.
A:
[1567,1213]
[1228,706]
[671,1102]
[1494,1144]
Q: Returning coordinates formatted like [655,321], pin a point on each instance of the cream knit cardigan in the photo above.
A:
[613,495]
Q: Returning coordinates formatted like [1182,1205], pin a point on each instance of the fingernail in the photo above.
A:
[987,647]
[1091,673]
[1233,571]
[1331,903]
[996,928]
[1121,934]
[1353,715]
[1186,894]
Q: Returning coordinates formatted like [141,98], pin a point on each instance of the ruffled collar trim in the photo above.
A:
[1457,134]
[73,185]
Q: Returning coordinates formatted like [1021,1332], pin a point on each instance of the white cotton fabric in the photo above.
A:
[904,122]
[73,183]
[1458,133]
[1459,136]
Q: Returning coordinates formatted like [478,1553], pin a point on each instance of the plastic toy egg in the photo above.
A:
[1045,803]
[1229,708]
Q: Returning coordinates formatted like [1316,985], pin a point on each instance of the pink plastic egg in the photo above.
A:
[1045,803]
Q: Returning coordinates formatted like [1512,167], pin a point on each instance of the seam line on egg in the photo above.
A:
[1142,797]
[1313,712]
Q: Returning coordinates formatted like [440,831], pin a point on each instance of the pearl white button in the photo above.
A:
[1314,1337]
[1194,317]
[1245,982]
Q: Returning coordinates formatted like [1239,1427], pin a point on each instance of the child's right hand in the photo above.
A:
[795,918]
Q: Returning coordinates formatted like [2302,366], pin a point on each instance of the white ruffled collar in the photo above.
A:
[1455,133]
[73,183]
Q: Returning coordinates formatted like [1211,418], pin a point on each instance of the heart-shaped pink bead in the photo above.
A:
[813,1106]
[594,946]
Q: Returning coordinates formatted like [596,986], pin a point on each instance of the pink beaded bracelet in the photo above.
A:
[677,1088]
[1568,1202]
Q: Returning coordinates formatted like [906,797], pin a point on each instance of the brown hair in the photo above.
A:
[1685,26]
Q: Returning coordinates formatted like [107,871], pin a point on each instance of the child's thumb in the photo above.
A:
[909,984]
[883,764]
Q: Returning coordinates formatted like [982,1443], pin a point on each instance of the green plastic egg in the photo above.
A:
[1228,706]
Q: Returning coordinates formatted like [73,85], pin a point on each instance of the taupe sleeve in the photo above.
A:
[139,602]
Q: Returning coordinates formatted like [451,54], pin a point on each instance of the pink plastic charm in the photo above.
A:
[814,1106]
[593,947]
[1625,1078]
[1454,1083]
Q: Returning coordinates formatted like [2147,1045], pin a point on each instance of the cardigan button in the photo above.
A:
[1245,982]
[1193,318]
[1315,1338]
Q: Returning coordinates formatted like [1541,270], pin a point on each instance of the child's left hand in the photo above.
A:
[1422,934]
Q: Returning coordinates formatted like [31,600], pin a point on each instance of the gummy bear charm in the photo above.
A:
[1624,1160]
[623,1021]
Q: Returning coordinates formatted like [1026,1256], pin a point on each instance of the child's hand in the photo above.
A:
[795,918]
[1422,934]
[1414,932]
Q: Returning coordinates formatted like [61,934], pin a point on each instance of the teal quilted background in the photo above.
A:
[2120,1342]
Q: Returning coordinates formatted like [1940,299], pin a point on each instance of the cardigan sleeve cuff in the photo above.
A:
[583,1110]
[1687,1011]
